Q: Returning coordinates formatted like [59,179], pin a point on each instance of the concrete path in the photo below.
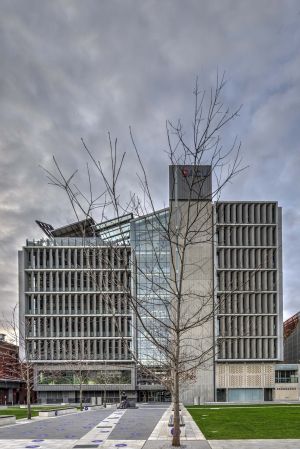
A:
[192,431]
[151,444]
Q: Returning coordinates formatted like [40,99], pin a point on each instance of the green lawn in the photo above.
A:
[247,422]
[22,412]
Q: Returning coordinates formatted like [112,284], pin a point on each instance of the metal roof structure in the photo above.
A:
[116,230]
[45,227]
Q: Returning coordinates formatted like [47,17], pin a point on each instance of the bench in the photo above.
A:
[181,424]
[7,419]
[57,412]
[92,407]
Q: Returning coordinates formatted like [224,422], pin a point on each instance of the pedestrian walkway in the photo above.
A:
[138,424]
[68,427]
[162,430]
[100,436]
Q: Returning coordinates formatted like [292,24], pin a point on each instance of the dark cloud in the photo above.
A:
[72,69]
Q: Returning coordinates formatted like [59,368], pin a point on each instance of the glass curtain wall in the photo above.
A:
[151,249]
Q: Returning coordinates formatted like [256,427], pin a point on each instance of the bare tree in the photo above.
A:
[79,367]
[79,372]
[175,310]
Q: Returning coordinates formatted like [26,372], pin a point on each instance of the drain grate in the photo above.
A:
[85,446]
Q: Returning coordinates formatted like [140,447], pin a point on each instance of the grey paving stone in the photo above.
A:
[138,424]
[157,444]
[64,427]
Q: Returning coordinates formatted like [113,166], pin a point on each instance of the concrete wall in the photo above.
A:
[192,262]
[5,420]
[287,392]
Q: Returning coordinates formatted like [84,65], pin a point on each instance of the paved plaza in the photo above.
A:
[72,426]
[142,428]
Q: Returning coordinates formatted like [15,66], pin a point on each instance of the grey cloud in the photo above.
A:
[72,69]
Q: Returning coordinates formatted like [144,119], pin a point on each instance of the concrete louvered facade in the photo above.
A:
[74,300]
[249,281]
[248,252]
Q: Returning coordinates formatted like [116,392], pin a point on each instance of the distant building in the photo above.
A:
[12,389]
[291,342]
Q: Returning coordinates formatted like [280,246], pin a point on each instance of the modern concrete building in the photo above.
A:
[75,288]
[12,388]
[75,313]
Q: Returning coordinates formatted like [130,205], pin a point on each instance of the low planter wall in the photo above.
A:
[57,412]
[171,426]
[8,419]
[111,405]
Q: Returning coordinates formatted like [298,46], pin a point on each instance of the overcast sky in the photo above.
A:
[72,69]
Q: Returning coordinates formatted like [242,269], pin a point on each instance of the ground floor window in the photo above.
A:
[245,394]
[154,396]
[86,377]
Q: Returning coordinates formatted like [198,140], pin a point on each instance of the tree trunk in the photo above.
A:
[176,429]
[80,396]
[104,402]
[28,391]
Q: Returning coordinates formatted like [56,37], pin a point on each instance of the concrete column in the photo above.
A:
[271,348]
[245,213]
[269,213]
[265,348]
[259,348]
[239,213]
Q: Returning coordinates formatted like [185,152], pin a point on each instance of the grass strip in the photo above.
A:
[20,413]
[247,422]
